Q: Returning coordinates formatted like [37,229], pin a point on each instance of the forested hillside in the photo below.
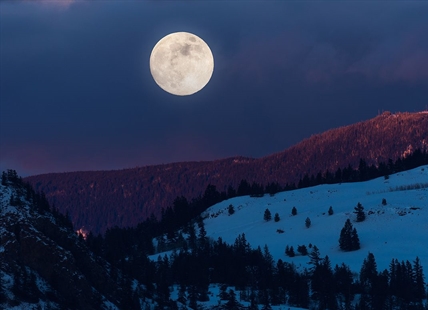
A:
[97,200]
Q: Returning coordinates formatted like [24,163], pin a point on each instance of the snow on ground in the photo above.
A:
[397,230]
[214,300]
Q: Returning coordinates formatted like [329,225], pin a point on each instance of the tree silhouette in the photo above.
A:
[230,210]
[359,210]
[267,215]
[302,250]
[294,211]
[349,240]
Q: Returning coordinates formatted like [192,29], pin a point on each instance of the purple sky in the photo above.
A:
[76,91]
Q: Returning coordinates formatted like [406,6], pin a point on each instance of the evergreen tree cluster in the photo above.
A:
[364,172]
[25,193]
[301,249]
[349,240]
[400,287]
[407,282]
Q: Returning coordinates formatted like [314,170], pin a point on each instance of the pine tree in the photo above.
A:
[359,210]
[202,237]
[192,293]
[182,294]
[368,273]
[322,285]
[330,210]
[343,280]
[393,277]
[419,280]
[308,222]
[314,258]
[253,304]
[232,303]
[355,241]
[348,240]
[294,211]
[3,178]
[231,210]
[268,258]
[369,278]
[276,217]
[302,250]
[191,239]
[267,215]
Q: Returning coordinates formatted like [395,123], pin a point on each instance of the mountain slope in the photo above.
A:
[97,200]
[44,263]
[395,230]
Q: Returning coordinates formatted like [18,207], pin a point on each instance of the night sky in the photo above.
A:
[77,93]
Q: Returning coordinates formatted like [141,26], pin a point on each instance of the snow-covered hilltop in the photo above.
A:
[397,230]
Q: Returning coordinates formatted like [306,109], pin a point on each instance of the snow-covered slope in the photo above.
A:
[398,229]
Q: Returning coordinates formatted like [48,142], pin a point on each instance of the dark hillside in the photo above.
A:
[45,258]
[101,199]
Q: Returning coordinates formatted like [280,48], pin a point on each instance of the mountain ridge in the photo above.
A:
[98,200]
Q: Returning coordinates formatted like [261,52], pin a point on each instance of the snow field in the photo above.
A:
[397,230]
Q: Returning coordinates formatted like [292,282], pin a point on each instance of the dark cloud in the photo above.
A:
[77,94]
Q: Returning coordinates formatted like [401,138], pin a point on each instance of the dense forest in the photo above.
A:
[183,212]
[97,200]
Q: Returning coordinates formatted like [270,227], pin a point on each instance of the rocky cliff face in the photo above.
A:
[98,200]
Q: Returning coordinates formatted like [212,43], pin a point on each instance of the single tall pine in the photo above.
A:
[359,210]
[267,216]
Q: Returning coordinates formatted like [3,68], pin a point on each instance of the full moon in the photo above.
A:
[181,63]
